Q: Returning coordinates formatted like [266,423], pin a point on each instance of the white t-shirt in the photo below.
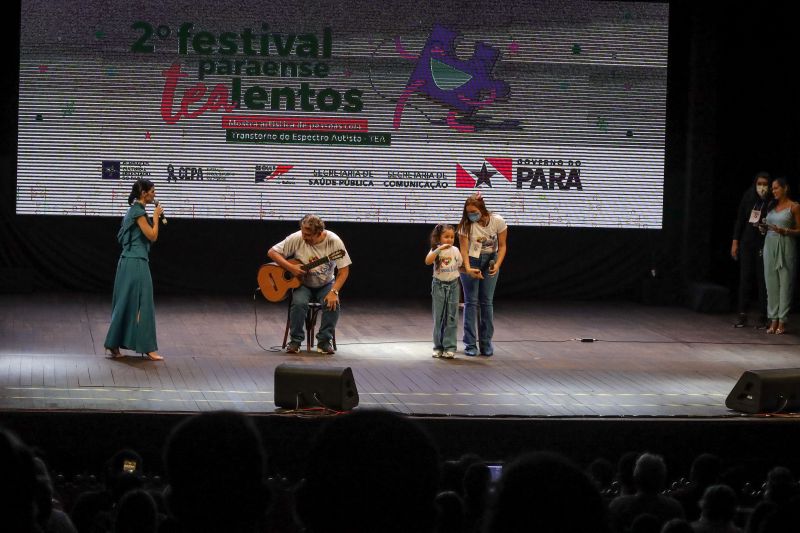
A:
[445,267]
[483,239]
[295,247]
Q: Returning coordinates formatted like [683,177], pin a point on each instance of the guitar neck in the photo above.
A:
[315,264]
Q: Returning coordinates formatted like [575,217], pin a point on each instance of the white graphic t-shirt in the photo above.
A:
[295,247]
[483,239]
[445,267]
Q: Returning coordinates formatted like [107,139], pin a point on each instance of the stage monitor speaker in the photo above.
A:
[301,386]
[766,391]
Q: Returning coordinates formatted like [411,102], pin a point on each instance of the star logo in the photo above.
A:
[484,176]
[466,179]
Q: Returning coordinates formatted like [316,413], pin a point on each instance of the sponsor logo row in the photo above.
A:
[522,173]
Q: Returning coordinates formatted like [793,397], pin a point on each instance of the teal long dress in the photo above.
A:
[133,317]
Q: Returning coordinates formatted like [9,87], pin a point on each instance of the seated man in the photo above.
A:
[309,244]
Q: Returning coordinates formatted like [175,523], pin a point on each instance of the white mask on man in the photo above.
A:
[761,190]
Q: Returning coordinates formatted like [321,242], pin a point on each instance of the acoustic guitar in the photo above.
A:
[274,281]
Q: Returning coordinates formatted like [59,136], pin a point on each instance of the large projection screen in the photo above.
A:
[364,112]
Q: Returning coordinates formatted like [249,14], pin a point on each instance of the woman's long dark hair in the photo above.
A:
[139,186]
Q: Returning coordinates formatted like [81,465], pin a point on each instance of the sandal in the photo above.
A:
[152,356]
[113,353]
[781,329]
[772,327]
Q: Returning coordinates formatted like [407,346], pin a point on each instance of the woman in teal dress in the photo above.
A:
[133,318]
[780,254]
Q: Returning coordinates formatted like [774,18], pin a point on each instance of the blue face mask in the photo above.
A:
[474,217]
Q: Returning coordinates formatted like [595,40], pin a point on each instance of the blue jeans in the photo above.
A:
[297,314]
[479,293]
[445,311]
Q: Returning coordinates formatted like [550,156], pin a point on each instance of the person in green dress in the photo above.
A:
[133,318]
[782,225]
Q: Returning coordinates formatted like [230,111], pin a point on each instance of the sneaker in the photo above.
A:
[741,321]
[448,355]
[437,354]
[471,351]
[293,347]
[325,347]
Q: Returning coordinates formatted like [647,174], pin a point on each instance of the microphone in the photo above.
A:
[162,218]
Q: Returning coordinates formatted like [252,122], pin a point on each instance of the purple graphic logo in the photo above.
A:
[457,84]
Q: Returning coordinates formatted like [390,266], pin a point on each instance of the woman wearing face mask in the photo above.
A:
[482,241]
[780,254]
[746,248]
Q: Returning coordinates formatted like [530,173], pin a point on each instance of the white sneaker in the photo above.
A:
[437,354]
[448,355]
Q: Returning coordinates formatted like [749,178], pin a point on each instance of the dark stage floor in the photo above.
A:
[647,361]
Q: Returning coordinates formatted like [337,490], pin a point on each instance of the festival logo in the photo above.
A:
[463,86]
[492,168]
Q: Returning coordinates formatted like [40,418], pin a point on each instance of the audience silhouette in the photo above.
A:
[372,471]
[546,493]
[215,465]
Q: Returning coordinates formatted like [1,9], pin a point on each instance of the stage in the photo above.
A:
[645,361]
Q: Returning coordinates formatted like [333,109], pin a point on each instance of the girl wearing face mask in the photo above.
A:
[780,254]
[482,240]
[746,248]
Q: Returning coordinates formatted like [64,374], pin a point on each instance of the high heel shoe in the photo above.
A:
[781,329]
[113,353]
[152,356]
[772,327]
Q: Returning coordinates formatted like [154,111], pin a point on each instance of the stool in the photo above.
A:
[314,309]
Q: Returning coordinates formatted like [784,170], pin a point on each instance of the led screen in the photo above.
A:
[369,112]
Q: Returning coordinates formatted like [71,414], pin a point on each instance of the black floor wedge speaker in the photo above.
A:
[766,391]
[301,386]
